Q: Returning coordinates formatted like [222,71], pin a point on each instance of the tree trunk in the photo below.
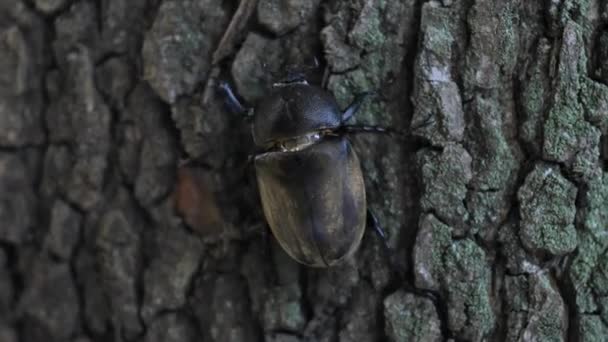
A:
[129,212]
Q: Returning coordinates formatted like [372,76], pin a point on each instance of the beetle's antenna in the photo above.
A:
[291,79]
[373,129]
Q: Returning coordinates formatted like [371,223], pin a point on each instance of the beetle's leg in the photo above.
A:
[231,101]
[373,222]
[354,106]
[407,286]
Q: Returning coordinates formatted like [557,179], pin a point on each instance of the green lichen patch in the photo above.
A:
[460,271]
[438,114]
[467,282]
[410,318]
[535,308]
[494,43]
[595,200]
[568,138]
[369,77]
[588,272]
[516,290]
[487,210]
[433,238]
[599,280]
[174,48]
[444,179]
[547,209]
[367,49]
[347,85]
[595,102]
[536,88]
[518,260]
[495,163]
[352,32]
[437,27]
[582,270]
[571,140]
[367,32]
[592,329]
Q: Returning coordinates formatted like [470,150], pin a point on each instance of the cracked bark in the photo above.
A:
[499,206]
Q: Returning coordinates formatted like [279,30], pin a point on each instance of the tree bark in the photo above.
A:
[129,212]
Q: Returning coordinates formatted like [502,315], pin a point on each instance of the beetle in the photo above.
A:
[308,174]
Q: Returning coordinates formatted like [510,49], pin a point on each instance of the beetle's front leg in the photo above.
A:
[232,101]
[372,222]
[354,106]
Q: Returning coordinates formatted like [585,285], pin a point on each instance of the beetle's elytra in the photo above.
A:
[309,176]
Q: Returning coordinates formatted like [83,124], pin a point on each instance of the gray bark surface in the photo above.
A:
[498,205]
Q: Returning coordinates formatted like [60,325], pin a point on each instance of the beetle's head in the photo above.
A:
[294,110]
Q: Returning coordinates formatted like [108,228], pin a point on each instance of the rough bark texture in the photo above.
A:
[499,206]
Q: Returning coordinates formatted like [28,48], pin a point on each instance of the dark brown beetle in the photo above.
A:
[309,176]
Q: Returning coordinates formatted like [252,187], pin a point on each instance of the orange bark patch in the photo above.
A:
[196,203]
